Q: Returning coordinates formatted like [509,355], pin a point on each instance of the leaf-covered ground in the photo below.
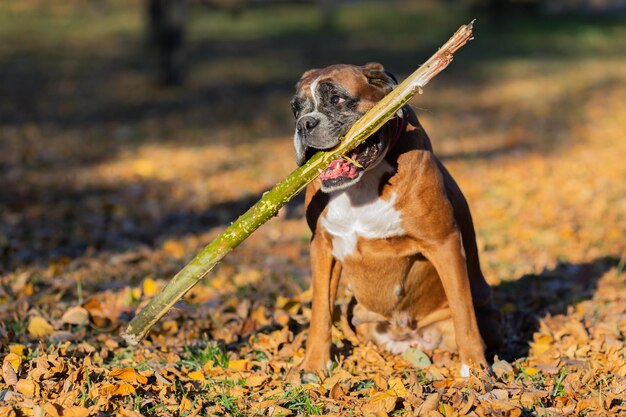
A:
[109,185]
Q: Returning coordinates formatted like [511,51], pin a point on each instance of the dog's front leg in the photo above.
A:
[448,257]
[325,280]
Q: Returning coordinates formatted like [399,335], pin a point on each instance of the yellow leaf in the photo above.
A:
[531,371]
[542,344]
[76,315]
[239,365]
[38,327]
[196,376]
[396,386]
[14,360]
[144,167]
[291,305]
[128,375]
[150,287]
[208,366]
[17,349]
[76,411]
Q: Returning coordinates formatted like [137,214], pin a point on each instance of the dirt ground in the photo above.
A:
[109,184]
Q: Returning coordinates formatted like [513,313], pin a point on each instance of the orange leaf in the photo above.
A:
[174,249]
[76,411]
[7,411]
[380,402]
[255,380]
[128,375]
[27,387]
[185,405]
[123,388]
[239,365]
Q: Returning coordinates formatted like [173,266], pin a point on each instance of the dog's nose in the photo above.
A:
[306,124]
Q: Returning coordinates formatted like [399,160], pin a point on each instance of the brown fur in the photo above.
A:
[435,262]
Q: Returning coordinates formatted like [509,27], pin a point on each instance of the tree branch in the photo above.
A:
[273,200]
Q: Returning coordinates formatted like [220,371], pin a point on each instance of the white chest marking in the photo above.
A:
[376,219]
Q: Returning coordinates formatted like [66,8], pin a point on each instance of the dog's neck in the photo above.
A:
[369,187]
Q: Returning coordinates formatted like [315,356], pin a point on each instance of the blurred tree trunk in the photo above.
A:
[166,26]
[327,9]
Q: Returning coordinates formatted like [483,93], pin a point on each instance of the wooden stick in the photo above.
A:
[273,200]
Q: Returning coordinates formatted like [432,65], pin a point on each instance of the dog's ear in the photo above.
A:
[306,75]
[376,75]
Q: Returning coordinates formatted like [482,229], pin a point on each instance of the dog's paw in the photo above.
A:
[465,371]
[315,362]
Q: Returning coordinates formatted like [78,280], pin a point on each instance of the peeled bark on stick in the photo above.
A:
[273,200]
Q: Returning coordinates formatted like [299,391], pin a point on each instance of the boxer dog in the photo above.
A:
[391,221]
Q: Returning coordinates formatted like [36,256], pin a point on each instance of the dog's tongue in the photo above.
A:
[339,168]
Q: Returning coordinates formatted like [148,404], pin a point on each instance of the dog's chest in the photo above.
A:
[346,221]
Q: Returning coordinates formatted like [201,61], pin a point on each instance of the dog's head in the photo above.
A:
[327,103]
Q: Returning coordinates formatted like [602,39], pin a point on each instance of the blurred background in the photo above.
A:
[132,132]
[129,126]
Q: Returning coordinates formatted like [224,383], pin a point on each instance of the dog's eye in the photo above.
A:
[295,110]
[337,100]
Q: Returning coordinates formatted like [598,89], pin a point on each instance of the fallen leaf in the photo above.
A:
[336,392]
[430,404]
[7,411]
[14,360]
[76,315]
[17,349]
[150,287]
[174,249]
[417,358]
[254,381]
[39,327]
[27,387]
[239,365]
[123,388]
[196,376]
[278,411]
[501,368]
[128,375]
[185,405]
[380,402]
[9,374]
[396,387]
[76,411]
